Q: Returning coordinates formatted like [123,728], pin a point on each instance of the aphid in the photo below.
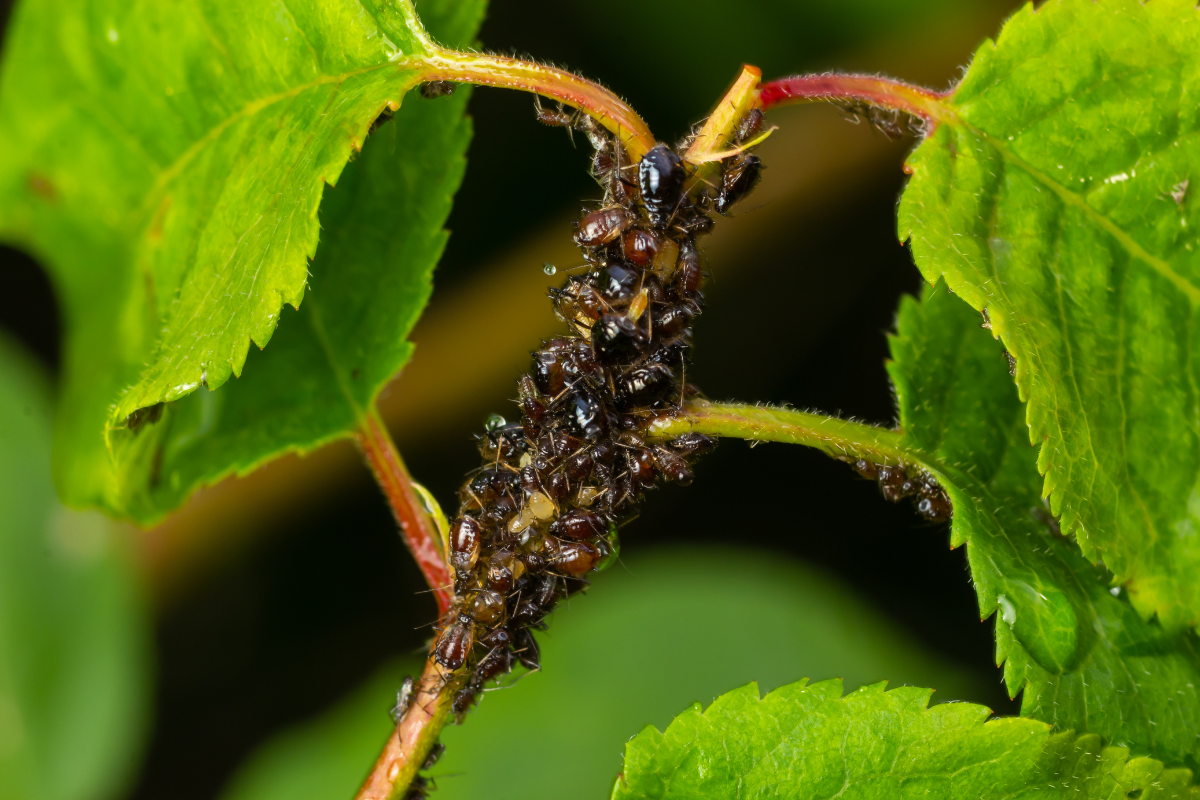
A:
[526,649]
[688,275]
[660,179]
[144,416]
[749,125]
[433,89]
[464,543]
[454,644]
[602,226]
[573,558]
[435,753]
[640,247]
[738,178]
[585,415]
[403,700]
[934,506]
[578,524]
[488,606]
[644,386]
[615,337]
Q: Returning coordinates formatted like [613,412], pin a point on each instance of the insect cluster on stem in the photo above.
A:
[543,509]
[896,483]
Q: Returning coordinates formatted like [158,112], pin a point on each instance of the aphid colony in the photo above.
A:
[896,484]
[542,512]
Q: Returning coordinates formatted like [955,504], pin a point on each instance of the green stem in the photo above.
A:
[836,437]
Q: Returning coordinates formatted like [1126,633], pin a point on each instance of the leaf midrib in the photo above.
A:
[1074,200]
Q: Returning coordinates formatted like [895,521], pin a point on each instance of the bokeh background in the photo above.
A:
[261,632]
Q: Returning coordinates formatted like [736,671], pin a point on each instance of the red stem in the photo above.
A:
[884,92]
[419,530]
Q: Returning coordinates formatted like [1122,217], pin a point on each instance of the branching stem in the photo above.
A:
[836,437]
[419,530]
[870,89]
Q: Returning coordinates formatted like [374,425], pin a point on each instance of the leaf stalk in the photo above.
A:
[871,89]
[484,69]
[836,437]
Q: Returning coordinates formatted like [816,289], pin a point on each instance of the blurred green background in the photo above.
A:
[251,646]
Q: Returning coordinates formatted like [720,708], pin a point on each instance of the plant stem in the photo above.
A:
[419,530]
[836,437]
[593,99]
[871,89]
[414,737]
[742,96]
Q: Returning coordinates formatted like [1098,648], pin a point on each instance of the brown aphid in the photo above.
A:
[641,466]
[749,125]
[688,274]
[589,300]
[454,644]
[891,482]
[464,543]
[488,606]
[526,649]
[573,558]
[548,373]
[935,506]
[673,466]
[464,700]
[640,247]
[434,89]
[578,524]
[868,469]
[602,226]
[693,443]
[557,487]
[435,753]
[579,466]
[738,179]
[500,576]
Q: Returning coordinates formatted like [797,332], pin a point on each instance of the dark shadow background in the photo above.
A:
[315,606]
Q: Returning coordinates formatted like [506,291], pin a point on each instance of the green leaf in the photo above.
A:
[1083,656]
[613,664]
[74,633]
[166,163]
[808,741]
[1056,197]
[371,279]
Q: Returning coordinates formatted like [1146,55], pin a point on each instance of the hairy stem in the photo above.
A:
[415,735]
[593,99]
[836,437]
[870,89]
[420,531]
[717,130]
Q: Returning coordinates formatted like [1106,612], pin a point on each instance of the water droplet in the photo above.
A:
[494,422]
[549,268]
[1115,591]
[1007,612]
